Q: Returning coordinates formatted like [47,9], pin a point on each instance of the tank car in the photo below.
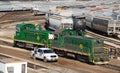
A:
[79,24]
[59,19]
[64,20]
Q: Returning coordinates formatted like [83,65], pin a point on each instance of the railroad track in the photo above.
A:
[12,21]
[2,42]
[116,51]
[30,65]
[110,66]
[19,16]
[46,67]
[36,67]
[108,39]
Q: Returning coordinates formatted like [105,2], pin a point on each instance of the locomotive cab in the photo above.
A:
[20,28]
[101,55]
[20,32]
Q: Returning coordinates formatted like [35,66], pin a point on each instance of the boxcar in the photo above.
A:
[109,25]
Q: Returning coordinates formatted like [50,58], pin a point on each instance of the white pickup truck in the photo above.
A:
[45,54]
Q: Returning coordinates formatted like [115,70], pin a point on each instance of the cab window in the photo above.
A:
[39,50]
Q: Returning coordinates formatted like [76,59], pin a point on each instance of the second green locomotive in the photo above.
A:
[84,48]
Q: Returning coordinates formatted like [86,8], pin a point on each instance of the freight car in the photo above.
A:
[86,49]
[28,36]
[64,19]
[59,19]
[66,42]
[108,23]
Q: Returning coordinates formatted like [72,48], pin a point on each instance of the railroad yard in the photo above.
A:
[8,21]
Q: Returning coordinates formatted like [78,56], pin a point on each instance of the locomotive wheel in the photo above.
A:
[61,53]
[32,56]
[15,44]
[79,57]
[21,44]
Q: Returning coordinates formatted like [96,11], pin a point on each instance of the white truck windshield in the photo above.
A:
[48,51]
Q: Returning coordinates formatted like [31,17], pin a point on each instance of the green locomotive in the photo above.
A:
[66,42]
[83,48]
[28,36]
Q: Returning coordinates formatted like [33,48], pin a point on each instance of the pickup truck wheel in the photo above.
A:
[45,60]
[32,56]
[55,60]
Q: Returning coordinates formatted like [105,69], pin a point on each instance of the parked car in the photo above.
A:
[46,54]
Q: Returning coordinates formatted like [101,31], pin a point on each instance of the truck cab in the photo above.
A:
[45,54]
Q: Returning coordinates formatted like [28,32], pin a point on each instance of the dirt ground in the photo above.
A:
[8,20]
